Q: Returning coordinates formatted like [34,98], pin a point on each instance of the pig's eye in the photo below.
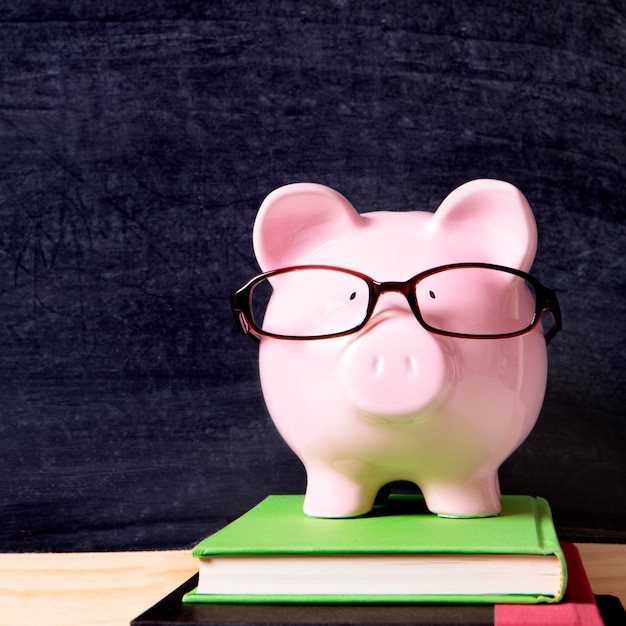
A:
[432,294]
[353,295]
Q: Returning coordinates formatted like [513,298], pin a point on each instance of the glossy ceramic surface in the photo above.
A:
[394,401]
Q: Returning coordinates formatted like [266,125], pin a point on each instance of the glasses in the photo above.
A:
[466,300]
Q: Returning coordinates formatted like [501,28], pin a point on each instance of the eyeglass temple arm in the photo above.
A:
[552,307]
[241,320]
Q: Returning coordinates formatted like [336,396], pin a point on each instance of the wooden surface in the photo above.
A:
[111,588]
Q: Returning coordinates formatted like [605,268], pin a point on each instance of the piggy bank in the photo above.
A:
[399,346]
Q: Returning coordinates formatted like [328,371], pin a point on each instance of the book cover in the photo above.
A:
[365,559]
[578,608]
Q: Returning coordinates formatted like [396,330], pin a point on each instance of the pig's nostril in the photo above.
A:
[411,364]
[377,365]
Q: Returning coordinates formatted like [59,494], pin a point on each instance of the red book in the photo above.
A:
[578,607]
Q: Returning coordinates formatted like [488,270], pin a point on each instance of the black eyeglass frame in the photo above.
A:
[545,302]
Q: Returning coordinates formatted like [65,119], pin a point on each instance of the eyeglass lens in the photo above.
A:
[476,301]
[467,300]
[310,302]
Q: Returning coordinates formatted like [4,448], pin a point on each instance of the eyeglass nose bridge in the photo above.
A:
[405,288]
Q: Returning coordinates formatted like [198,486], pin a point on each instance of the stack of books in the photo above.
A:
[398,564]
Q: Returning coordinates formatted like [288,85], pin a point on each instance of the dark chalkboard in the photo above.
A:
[137,140]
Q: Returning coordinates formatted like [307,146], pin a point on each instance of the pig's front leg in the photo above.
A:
[335,492]
[477,497]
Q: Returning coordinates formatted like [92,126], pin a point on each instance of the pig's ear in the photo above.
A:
[295,219]
[488,221]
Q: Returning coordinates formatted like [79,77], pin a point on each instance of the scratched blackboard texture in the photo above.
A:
[137,140]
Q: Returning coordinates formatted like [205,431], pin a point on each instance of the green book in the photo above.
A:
[399,552]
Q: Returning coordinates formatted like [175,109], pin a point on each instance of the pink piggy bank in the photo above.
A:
[399,345]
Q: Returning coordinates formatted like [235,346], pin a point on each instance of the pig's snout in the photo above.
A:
[396,370]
